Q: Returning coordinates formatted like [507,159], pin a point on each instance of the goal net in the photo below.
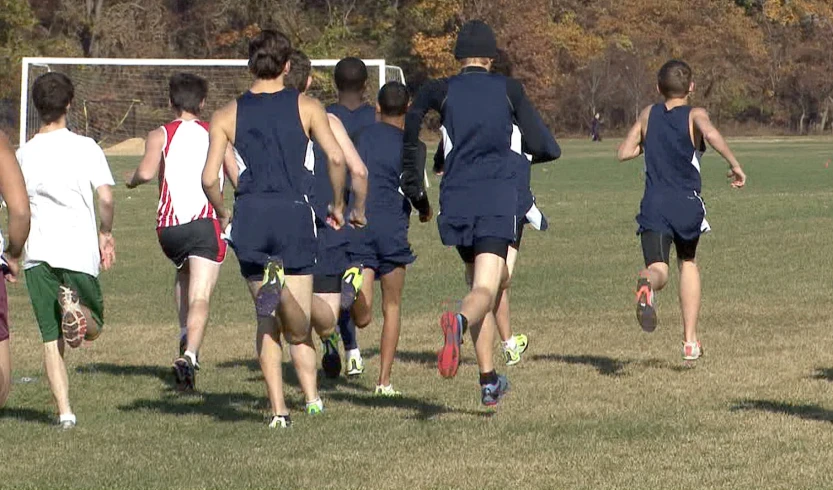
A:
[122,99]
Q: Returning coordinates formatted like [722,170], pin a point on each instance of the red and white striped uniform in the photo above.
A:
[181,197]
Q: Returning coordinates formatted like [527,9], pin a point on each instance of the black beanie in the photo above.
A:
[475,40]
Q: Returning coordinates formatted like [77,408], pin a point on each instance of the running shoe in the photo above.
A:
[73,321]
[355,365]
[331,360]
[280,422]
[492,393]
[448,359]
[315,407]
[67,422]
[185,374]
[351,284]
[269,295]
[513,356]
[645,312]
[386,392]
[692,351]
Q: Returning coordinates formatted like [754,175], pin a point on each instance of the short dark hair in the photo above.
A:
[52,93]
[187,91]
[502,64]
[674,79]
[350,75]
[299,70]
[393,99]
[268,53]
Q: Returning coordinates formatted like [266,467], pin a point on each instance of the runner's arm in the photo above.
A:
[319,128]
[13,190]
[230,167]
[430,96]
[355,165]
[712,136]
[538,140]
[149,166]
[631,147]
[218,137]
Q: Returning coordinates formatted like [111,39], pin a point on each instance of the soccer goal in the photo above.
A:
[117,101]
[121,99]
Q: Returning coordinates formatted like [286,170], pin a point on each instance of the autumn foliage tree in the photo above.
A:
[760,65]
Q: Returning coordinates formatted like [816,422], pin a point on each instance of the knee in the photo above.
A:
[506,283]
[301,334]
[363,320]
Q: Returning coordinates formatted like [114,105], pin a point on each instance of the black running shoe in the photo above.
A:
[185,374]
[331,361]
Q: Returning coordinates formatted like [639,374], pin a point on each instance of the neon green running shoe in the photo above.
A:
[513,356]
[314,407]
[386,391]
[351,284]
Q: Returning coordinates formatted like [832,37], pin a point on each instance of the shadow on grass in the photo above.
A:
[289,376]
[824,374]
[425,410]
[609,366]
[802,411]
[223,407]
[27,415]
[411,357]
[163,373]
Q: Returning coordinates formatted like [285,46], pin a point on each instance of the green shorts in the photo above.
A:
[43,282]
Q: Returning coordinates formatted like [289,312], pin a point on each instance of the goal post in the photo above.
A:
[120,99]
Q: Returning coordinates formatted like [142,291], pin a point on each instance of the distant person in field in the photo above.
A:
[65,252]
[382,247]
[13,191]
[673,136]
[186,223]
[596,128]
[514,345]
[478,193]
[352,110]
[332,256]
[273,230]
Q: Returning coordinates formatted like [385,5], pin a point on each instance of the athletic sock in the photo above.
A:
[352,353]
[317,402]
[69,417]
[192,356]
[183,332]
[347,329]
[510,344]
[464,324]
[489,378]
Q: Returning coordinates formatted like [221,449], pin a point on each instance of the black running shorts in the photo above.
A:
[199,238]
[656,247]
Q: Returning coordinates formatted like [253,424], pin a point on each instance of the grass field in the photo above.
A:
[596,403]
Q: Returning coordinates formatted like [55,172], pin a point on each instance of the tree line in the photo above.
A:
[760,65]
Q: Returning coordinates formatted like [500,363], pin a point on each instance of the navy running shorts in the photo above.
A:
[331,259]
[680,214]
[382,245]
[265,227]
[459,231]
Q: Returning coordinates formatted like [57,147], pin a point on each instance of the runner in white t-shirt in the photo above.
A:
[64,252]
[186,223]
